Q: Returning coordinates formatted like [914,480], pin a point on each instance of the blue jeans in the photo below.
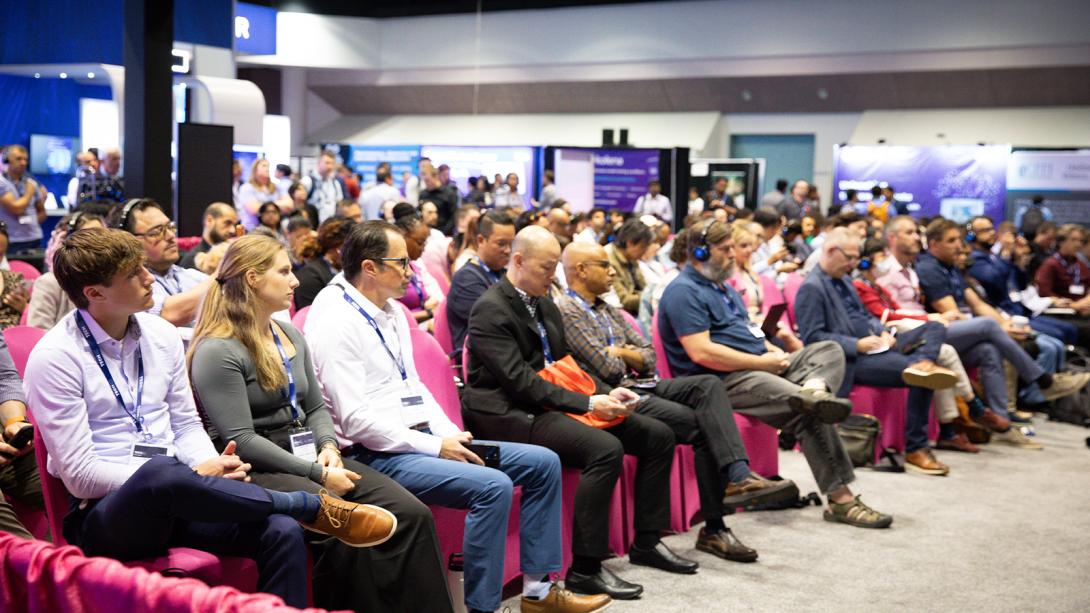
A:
[1056,328]
[487,492]
[982,344]
[1051,353]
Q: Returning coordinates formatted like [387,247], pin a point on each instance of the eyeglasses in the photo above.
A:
[851,258]
[602,263]
[402,263]
[158,232]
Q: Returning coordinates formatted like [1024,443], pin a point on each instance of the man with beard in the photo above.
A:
[220,221]
[705,329]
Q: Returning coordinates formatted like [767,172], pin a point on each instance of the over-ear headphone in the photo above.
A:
[865,263]
[73,221]
[701,253]
[970,236]
[123,220]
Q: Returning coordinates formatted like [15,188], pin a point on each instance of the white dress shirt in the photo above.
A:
[176,281]
[654,205]
[88,435]
[361,384]
[758,262]
[372,199]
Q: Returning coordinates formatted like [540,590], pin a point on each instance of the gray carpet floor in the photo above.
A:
[1008,530]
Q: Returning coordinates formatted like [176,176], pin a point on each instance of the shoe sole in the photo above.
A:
[368,543]
[769,495]
[929,380]
[666,570]
[832,517]
[831,411]
[941,447]
[575,590]
[715,552]
[937,472]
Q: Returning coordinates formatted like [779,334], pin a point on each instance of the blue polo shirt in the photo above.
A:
[999,278]
[938,280]
[692,304]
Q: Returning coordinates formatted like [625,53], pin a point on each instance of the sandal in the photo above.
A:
[858,514]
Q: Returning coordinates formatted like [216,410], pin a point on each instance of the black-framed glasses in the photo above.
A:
[403,263]
[158,232]
[851,258]
[602,263]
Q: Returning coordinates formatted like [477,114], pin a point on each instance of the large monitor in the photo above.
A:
[466,162]
[53,155]
[612,179]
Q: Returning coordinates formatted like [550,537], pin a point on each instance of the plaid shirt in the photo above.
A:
[589,341]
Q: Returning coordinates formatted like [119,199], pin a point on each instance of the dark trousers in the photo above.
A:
[403,574]
[166,504]
[19,479]
[698,411]
[599,454]
[1082,328]
[884,370]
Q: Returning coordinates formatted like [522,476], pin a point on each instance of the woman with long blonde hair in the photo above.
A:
[254,380]
[259,190]
[758,291]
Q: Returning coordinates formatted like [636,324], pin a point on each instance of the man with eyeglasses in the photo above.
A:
[706,329]
[829,309]
[176,292]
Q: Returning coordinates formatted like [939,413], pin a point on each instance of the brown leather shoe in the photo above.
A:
[357,525]
[725,545]
[976,433]
[929,375]
[960,442]
[992,421]
[923,461]
[564,601]
[755,489]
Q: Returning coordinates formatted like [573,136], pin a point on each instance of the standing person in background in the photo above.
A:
[283,176]
[696,203]
[507,194]
[414,184]
[86,171]
[326,264]
[775,196]
[259,190]
[324,188]
[236,183]
[1029,217]
[446,201]
[350,181]
[548,190]
[22,202]
[480,192]
[654,203]
[372,198]
[795,204]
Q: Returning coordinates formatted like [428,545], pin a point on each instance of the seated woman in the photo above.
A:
[48,303]
[13,294]
[423,293]
[758,291]
[254,379]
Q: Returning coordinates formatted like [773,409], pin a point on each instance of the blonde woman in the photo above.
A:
[759,292]
[254,379]
[259,190]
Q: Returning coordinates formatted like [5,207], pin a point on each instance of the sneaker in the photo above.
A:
[960,442]
[828,408]
[1015,438]
[857,514]
[755,489]
[357,525]
[560,600]
[1065,384]
[928,375]
[923,461]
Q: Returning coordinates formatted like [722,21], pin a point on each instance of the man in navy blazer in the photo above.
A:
[829,309]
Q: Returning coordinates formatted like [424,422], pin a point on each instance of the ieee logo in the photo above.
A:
[1036,170]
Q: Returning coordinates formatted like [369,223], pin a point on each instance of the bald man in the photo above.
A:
[696,408]
[560,225]
[515,331]
[220,222]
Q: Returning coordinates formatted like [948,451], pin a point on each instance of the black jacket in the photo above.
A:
[503,391]
[312,278]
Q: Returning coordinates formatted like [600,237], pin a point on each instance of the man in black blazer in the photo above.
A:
[323,267]
[513,330]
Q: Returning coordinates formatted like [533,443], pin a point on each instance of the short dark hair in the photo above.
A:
[490,220]
[767,217]
[93,257]
[1038,199]
[850,194]
[404,209]
[284,168]
[781,185]
[872,246]
[939,227]
[332,233]
[875,191]
[369,240]
[264,207]
[846,218]
[654,182]
[124,217]
[381,175]
[594,210]
[406,223]
[633,232]
[297,221]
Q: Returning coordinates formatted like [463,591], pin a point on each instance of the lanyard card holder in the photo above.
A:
[302,444]
[142,452]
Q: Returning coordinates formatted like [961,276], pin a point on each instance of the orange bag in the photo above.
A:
[567,374]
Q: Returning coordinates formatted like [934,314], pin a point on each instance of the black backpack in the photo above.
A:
[1074,409]
[1031,220]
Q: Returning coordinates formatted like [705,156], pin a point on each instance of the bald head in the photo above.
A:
[560,223]
[535,254]
[533,241]
[581,251]
[587,269]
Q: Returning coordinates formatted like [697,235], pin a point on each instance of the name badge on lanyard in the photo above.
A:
[302,445]
[301,438]
[142,452]
[756,330]
[1078,290]
[413,410]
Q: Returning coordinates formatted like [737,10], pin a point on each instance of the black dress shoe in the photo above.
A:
[605,582]
[662,558]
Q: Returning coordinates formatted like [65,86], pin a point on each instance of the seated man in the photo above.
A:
[220,223]
[387,419]
[495,232]
[515,331]
[1064,276]
[829,309]
[633,240]
[18,468]
[109,389]
[177,292]
[695,408]
[705,330]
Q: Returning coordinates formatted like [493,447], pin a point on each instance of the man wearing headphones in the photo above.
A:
[176,292]
[706,330]
[22,202]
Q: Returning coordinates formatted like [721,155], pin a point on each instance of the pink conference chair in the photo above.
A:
[441,328]
[299,319]
[187,243]
[21,340]
[790,292]
[442,277]
[30,274]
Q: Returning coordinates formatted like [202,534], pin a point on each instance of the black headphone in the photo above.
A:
[123,220]
[73,221]
[700,250]
[970,236]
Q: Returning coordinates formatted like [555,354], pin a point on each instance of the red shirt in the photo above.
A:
[879,302]
[1056,276]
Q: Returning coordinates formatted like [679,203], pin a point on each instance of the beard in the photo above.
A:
[716,272]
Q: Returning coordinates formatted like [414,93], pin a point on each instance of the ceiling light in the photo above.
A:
[90,75]
[64,75]
[37,75]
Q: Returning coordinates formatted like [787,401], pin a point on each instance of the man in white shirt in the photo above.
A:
[177,292]
[654,203]
[372,198]
[362,352]
[109,390]
[324,188]
[86,166]
[596,226]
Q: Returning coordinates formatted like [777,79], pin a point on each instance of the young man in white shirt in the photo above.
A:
[654,203]
[362,353]
[109,390]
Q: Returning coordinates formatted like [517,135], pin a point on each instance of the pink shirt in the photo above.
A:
[902,284]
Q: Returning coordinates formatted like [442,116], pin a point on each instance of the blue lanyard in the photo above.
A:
[419,289]
[544,342]
[1073,271]
[730,303]
[492,277]
[290,392]
[137,419]
[604,326]
[170,291]
[399,361]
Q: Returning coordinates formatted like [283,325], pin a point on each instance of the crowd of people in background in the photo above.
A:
[173,378]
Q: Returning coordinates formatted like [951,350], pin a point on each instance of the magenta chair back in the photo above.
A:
[300,318]
[442,277]
[441,329]
[29,272]
[21,340]
[433,367]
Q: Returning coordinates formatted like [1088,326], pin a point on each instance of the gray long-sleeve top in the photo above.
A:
[11,386]
[225,380]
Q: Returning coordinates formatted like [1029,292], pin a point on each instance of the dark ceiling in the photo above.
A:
[416,8]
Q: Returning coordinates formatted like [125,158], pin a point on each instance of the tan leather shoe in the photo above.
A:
[755,489]
[923,461]
[358,525]
[960,442]
[563,601]
[1065,384]
[929,375]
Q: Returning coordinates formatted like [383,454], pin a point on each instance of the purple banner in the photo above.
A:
[621,176]
[956,181]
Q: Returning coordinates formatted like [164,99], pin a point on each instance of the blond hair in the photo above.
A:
[269,187]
